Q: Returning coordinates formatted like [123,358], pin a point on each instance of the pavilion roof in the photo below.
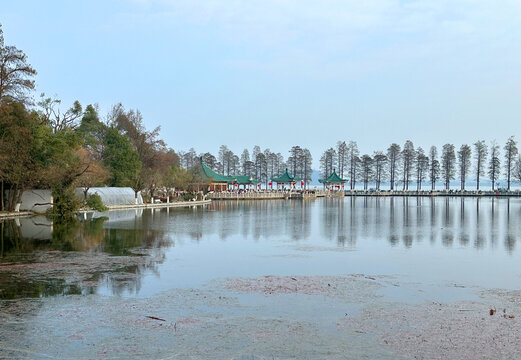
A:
[211,175]
[285,178]
[333,178]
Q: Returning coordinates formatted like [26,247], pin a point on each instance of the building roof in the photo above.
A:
[332,179]
[285,178]
[211,175]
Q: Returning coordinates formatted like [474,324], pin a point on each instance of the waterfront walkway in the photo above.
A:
[450,193]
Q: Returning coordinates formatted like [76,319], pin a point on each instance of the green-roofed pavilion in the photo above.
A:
[220,182]
[333,180]
[285,179]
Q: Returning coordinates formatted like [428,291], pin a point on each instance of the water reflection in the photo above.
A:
[145,237]
[41,258]
[407,221]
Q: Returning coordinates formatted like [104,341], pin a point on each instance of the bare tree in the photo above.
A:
[480,155]
[494,165]
[408,155]
[52,116]
[261,165]
[341,157]
[464,154]
[306,160]
[293,160]
[510,154]
[434,167]
[280,163]
[245,157]
[15,73]
[422,166]
[223,157]
[448,158]
[353,160]
[516,174]
[327,162]
[380,161]
[393,154]
[366,165]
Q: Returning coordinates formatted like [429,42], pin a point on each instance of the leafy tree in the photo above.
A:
[19,139]
[92,131]
[510,154]
[480,155]
[95,202]
[448,158]
[464,155]
[120,158]
[94,175]
[177,179]
[15,72]
[209,160]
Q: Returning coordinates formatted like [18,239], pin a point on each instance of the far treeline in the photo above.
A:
[405,169]
[44,147]
[405,166]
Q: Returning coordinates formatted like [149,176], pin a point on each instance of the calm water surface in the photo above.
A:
[443,242]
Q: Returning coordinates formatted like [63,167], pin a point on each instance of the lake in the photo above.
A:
[419,250]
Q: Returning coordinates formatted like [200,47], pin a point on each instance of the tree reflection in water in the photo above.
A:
[39,257]
[117,251]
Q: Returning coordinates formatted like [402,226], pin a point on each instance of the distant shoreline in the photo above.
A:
[432,194]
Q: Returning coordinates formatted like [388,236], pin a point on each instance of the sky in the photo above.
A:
[278,73]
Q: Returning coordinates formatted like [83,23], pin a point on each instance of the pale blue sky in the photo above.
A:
[278,73]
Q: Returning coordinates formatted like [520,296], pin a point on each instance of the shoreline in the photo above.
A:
[20,214]
[431,194]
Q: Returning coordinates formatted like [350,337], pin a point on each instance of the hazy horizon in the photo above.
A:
[284,73]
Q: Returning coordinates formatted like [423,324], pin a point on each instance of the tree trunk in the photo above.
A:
[12,198]
[19,199]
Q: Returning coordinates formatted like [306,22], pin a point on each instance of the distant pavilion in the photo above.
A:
[220,182]
[286,179]
[333,181]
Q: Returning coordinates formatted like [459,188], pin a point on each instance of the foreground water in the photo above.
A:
[466,241]
[311,271]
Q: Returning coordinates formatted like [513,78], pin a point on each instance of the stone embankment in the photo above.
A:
[14,215]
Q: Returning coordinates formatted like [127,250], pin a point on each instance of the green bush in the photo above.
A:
[188,197]
[94,202]
[65,203]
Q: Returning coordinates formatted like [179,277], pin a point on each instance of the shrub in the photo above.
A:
[188,197]
[65,203]
[94,202]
